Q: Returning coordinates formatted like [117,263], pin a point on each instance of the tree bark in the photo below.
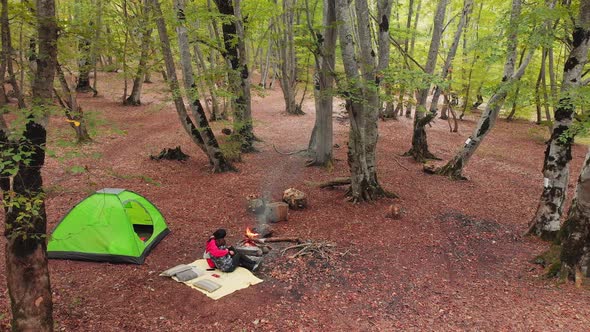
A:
[27,274]
[467,7]
[7,54]
[362,102]
[220,164]
[546,222]
[172,79]
[321,140]
[575,253]
[239,74]
[74,112]
[419,150]
[454,168]
[134,98]
[287,61]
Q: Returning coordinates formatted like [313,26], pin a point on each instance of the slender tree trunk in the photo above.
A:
[287,63]
[7,55]
[488,118]
[172,79]
[558,154]
[146,38]
[467,7]
[27,274]
[239,74]
[95,51]
[84,66]
[74,112]
[220,164]
[321,141]
[419,150]
[575,253]
[540,79]
[413,40]
[216,111]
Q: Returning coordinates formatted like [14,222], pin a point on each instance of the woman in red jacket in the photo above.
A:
[223,258]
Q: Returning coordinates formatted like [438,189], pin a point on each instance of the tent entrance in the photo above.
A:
[143,224]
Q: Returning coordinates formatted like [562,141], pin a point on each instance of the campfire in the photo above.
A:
[255,242]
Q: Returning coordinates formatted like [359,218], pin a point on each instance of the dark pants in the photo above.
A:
[241,260]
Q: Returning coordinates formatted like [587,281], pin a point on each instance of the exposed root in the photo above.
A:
[335,183]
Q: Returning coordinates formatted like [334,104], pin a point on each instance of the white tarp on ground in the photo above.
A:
[229,282]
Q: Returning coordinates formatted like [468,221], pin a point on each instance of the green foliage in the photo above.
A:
[29,207]
[550,261]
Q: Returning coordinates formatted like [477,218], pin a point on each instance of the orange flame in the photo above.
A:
[251,234]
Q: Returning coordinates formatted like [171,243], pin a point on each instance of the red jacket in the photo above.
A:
[214,252]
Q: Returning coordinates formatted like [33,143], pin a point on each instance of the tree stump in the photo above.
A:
[295,198]
[277,211]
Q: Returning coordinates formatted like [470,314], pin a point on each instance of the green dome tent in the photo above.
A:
[111,225]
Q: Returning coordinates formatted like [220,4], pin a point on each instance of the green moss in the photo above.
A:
[550,260]
[231,148]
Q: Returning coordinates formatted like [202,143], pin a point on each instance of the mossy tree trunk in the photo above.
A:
[575,253]
[239,75]
[27,275]
[546,222]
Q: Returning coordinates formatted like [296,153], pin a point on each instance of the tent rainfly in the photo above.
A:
[111,225]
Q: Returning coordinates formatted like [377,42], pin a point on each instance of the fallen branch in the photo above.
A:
[277,239]
[288,153]
[335,183]
[321,249]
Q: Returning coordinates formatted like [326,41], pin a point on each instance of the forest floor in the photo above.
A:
[455,261]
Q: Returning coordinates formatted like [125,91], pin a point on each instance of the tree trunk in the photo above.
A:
[134,98]
[215,110]
[321,141]
[74,112]
[287,62]
[84,66]
[558,154]
[27,274]
[419,150]
[575,253]
[362,102]
[7,54]
[454,168]
[467,7]
[239,75]
[220,164]
[172,79]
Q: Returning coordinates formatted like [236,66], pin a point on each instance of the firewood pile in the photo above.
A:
[317,249]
